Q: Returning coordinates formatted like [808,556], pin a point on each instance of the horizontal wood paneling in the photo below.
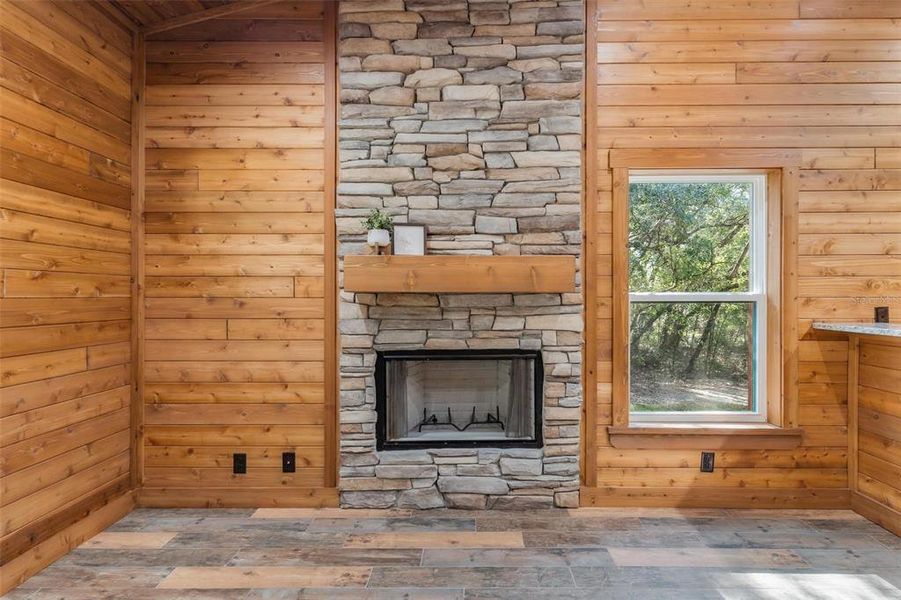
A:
[817,83]
[65,201]
[235,95]
[237,226]
[878,435]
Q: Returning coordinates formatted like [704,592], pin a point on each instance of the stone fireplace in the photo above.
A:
[463,116]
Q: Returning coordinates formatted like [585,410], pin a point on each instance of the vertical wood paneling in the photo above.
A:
[816,78]
[239,257]
[65,249]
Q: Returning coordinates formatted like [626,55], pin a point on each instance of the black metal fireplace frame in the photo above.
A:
[381,400]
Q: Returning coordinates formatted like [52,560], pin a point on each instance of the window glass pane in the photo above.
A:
[692,356]
[689,236]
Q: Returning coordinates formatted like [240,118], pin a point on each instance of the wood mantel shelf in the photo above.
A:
[454,274]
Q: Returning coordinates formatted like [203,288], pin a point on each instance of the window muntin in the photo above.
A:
[697,254]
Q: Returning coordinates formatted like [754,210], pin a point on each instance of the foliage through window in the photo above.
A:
[697,279]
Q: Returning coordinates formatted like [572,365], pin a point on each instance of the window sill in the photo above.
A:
[704,436]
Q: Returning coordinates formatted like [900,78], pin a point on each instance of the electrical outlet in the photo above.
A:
[239,463]
[707,462]
[289,462]
[881,315]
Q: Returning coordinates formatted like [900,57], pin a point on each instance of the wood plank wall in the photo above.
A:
[239,243]
[819,76]
[877,470]
[65,312]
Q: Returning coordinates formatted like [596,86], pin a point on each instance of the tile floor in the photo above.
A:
[658,554]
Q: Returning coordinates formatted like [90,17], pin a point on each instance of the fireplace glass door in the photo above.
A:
[458,398]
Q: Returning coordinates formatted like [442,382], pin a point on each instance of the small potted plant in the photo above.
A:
[378,225]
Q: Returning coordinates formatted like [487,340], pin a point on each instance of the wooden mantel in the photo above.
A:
[460,274]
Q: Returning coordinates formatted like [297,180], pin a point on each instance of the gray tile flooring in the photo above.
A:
[655,554]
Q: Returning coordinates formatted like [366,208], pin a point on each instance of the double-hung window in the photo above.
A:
[697,254]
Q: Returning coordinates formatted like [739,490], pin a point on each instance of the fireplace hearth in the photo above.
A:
[433,399]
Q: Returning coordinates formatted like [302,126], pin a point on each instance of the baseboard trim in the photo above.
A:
[739,497]
[882,515]
[237,498]
[21,540]
[39,556]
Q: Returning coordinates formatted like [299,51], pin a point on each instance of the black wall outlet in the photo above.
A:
[289,462]
[239,463]
[707,462]
[881,315]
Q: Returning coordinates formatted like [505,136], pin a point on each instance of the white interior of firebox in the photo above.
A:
[432,387]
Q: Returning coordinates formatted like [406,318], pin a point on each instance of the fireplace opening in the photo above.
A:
[434,398]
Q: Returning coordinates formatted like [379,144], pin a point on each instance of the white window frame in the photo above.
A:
[757,294]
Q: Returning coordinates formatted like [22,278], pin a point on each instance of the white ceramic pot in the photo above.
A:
[378,237]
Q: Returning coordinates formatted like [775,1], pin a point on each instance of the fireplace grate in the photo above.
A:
[432,421]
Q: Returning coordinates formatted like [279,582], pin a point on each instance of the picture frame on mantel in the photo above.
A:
[409,239]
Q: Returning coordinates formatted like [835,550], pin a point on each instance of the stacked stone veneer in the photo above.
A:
[463,116]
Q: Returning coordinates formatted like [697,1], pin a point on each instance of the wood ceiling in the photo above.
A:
[144,13]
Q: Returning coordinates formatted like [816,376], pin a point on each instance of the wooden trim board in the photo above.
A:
[853,379]
[20,541]
[139,69]
[775,401]
[789,298]
[704,158]
[620,355]
[332,384]
[880,514]
[704,438]
[225,10]
[460,274]
[706,497]
[589,252]
[38,557]
[237,497]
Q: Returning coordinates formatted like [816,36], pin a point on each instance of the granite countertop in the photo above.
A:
[883,329]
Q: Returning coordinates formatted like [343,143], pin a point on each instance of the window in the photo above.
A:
[697,291]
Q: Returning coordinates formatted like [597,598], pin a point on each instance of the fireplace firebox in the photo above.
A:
[442,398]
